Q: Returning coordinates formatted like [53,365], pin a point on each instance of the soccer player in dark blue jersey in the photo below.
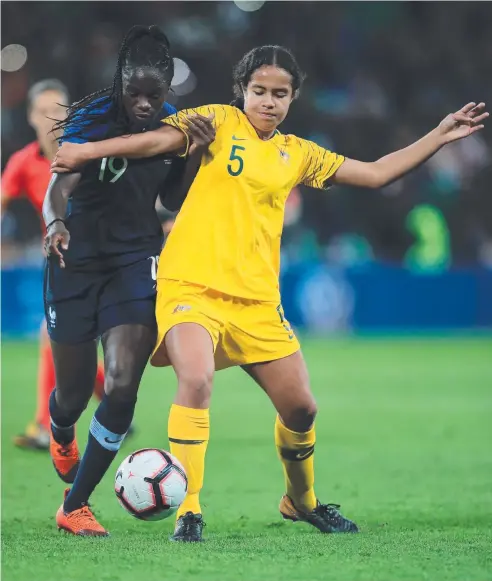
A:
[103,242]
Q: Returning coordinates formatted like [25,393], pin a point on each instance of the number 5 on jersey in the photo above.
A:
[237,165]
[109,163]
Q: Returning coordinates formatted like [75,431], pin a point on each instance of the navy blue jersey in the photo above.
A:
[111,213]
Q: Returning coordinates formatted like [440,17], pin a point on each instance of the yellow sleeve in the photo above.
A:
[319,165]
[218,111]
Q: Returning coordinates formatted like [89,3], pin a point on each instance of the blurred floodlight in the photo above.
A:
[249,5]
[13,57]
[187,87]
[181,72]
[184,81]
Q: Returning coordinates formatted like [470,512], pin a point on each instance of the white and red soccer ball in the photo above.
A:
[150,484]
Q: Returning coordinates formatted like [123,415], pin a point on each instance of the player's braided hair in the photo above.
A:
[143,46]
[258,57]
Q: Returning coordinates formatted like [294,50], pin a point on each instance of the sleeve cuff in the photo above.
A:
[329,181]
[187,148]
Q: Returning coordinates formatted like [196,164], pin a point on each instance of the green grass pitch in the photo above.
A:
[404,443]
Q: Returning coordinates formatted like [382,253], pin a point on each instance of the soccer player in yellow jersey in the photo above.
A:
[218,300]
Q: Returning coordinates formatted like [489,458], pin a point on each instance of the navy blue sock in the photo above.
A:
[62,424]
[106,434]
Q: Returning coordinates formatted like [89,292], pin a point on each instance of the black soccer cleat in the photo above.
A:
[189,528]
[325,517]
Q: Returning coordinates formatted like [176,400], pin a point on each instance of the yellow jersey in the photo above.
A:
[227,235]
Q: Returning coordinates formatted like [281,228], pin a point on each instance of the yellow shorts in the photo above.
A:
[243,331]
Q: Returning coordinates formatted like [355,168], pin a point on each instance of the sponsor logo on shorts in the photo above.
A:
[181,308]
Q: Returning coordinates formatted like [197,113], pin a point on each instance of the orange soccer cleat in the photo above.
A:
[66,459]
[80,522]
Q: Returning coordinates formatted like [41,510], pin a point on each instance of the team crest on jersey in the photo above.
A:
[284,155]
[52,317]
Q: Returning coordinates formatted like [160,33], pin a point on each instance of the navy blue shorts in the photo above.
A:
[81,305]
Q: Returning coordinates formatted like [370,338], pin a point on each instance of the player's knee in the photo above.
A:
[120,382]
[301,417]
[195,387]
[72,401]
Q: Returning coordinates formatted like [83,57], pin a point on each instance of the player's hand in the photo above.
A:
[464,122]
[200,130]
[69,157]
[57,236]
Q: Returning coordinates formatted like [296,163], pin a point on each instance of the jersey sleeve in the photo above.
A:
[13,176]
[319,165]
[169,109]
[219,112]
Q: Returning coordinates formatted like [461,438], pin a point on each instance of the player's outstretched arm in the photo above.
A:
[54,212]
[166,139]
[389,168]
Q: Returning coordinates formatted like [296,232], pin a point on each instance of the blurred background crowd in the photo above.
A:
[379,75]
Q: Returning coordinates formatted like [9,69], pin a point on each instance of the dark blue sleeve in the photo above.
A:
[169,109]
[82,129]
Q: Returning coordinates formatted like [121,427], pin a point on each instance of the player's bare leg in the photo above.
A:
[75,368]
[191,352]
[286,382]
[127,349]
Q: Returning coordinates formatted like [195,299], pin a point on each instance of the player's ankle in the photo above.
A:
[305,503]
[72,504]
[190,504]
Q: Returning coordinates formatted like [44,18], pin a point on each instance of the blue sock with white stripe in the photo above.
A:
[106,434]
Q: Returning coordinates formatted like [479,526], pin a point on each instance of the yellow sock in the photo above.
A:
[188,431]
[296,452]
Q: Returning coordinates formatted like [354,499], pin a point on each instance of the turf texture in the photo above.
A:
[404,443]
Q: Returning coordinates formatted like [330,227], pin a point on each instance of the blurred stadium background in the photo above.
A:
[416,255]
[404,428]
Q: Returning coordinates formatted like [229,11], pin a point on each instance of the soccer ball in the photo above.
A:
[150,484]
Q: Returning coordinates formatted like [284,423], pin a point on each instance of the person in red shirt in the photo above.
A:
[27,173]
